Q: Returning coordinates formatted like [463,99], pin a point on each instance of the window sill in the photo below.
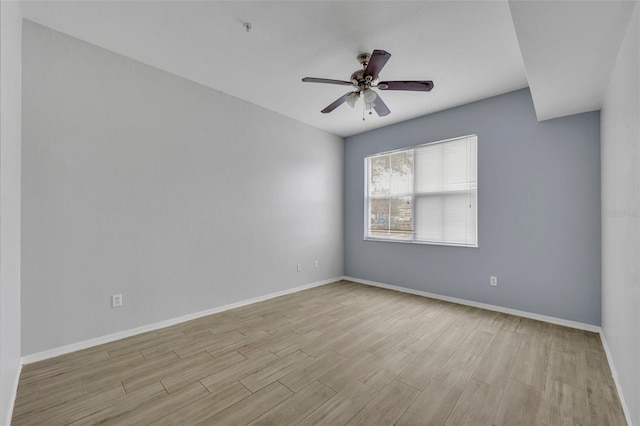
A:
[429,243]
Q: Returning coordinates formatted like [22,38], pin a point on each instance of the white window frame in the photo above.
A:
[413,196]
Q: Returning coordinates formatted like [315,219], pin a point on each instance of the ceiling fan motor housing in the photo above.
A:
[357,77]
[359,80]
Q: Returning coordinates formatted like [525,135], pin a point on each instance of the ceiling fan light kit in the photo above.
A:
[366,79]
[352,98]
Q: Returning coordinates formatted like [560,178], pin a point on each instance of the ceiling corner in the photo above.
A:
[569,49]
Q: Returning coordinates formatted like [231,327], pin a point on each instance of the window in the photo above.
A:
[425,194]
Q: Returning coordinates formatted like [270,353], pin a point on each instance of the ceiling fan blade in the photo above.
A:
[416,86]
[326,80]
[377,61]
[342,99]
[380,107]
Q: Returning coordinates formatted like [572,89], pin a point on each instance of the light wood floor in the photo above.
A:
[343,353]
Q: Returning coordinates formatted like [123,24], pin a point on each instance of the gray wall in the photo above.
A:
[10,122]
[175,195]
[621,218]
[538,210]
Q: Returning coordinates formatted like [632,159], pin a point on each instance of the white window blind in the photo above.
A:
[424,194]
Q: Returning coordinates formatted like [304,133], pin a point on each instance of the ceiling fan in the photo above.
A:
[366,79]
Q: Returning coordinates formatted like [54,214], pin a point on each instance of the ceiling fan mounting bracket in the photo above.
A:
[363,58]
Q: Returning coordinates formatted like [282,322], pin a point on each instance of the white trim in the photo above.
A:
[14,394]
[50,353]
[544,318]
[368,234]
[614,374]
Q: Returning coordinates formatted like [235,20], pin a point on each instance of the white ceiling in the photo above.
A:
[470,49]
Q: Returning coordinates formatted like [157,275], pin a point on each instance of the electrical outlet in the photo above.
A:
[316,264]
[116,300]
[299,267]
[493,281]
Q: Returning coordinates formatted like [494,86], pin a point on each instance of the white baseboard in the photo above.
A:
[530,315]
[14,394]
[40,356]
[614,374]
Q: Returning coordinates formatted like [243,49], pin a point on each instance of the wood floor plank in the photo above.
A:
[565,405]
[358,345]
[70,410]
[205,407]
[423,369]
[448,342]
[211,343]
[477,405]
[171,345]
[218,351]
[567,340]
[142,342]
[490,321]
[604,406]
[253,332]
[433,406]
[251,407]
[329,342]
[382,372]
[91,388]
[160,407]
[298,379]
[499,359]
[458,370]
[28,392]
[563,368]
[342,407]
[139,371]
[226,327]
[387,407]
[521,405]
[297,407]
[424,341]
[390,345]
[238,371]
[91,373]
[124,404]
[28,405]
[477,342]
[510,322]
[536,337]
[204,367]
[470,318]
[593,366]
[342,375]
[275,370]
[531,367]
[62,364]
[269,343]
[167,371]
[285,347]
